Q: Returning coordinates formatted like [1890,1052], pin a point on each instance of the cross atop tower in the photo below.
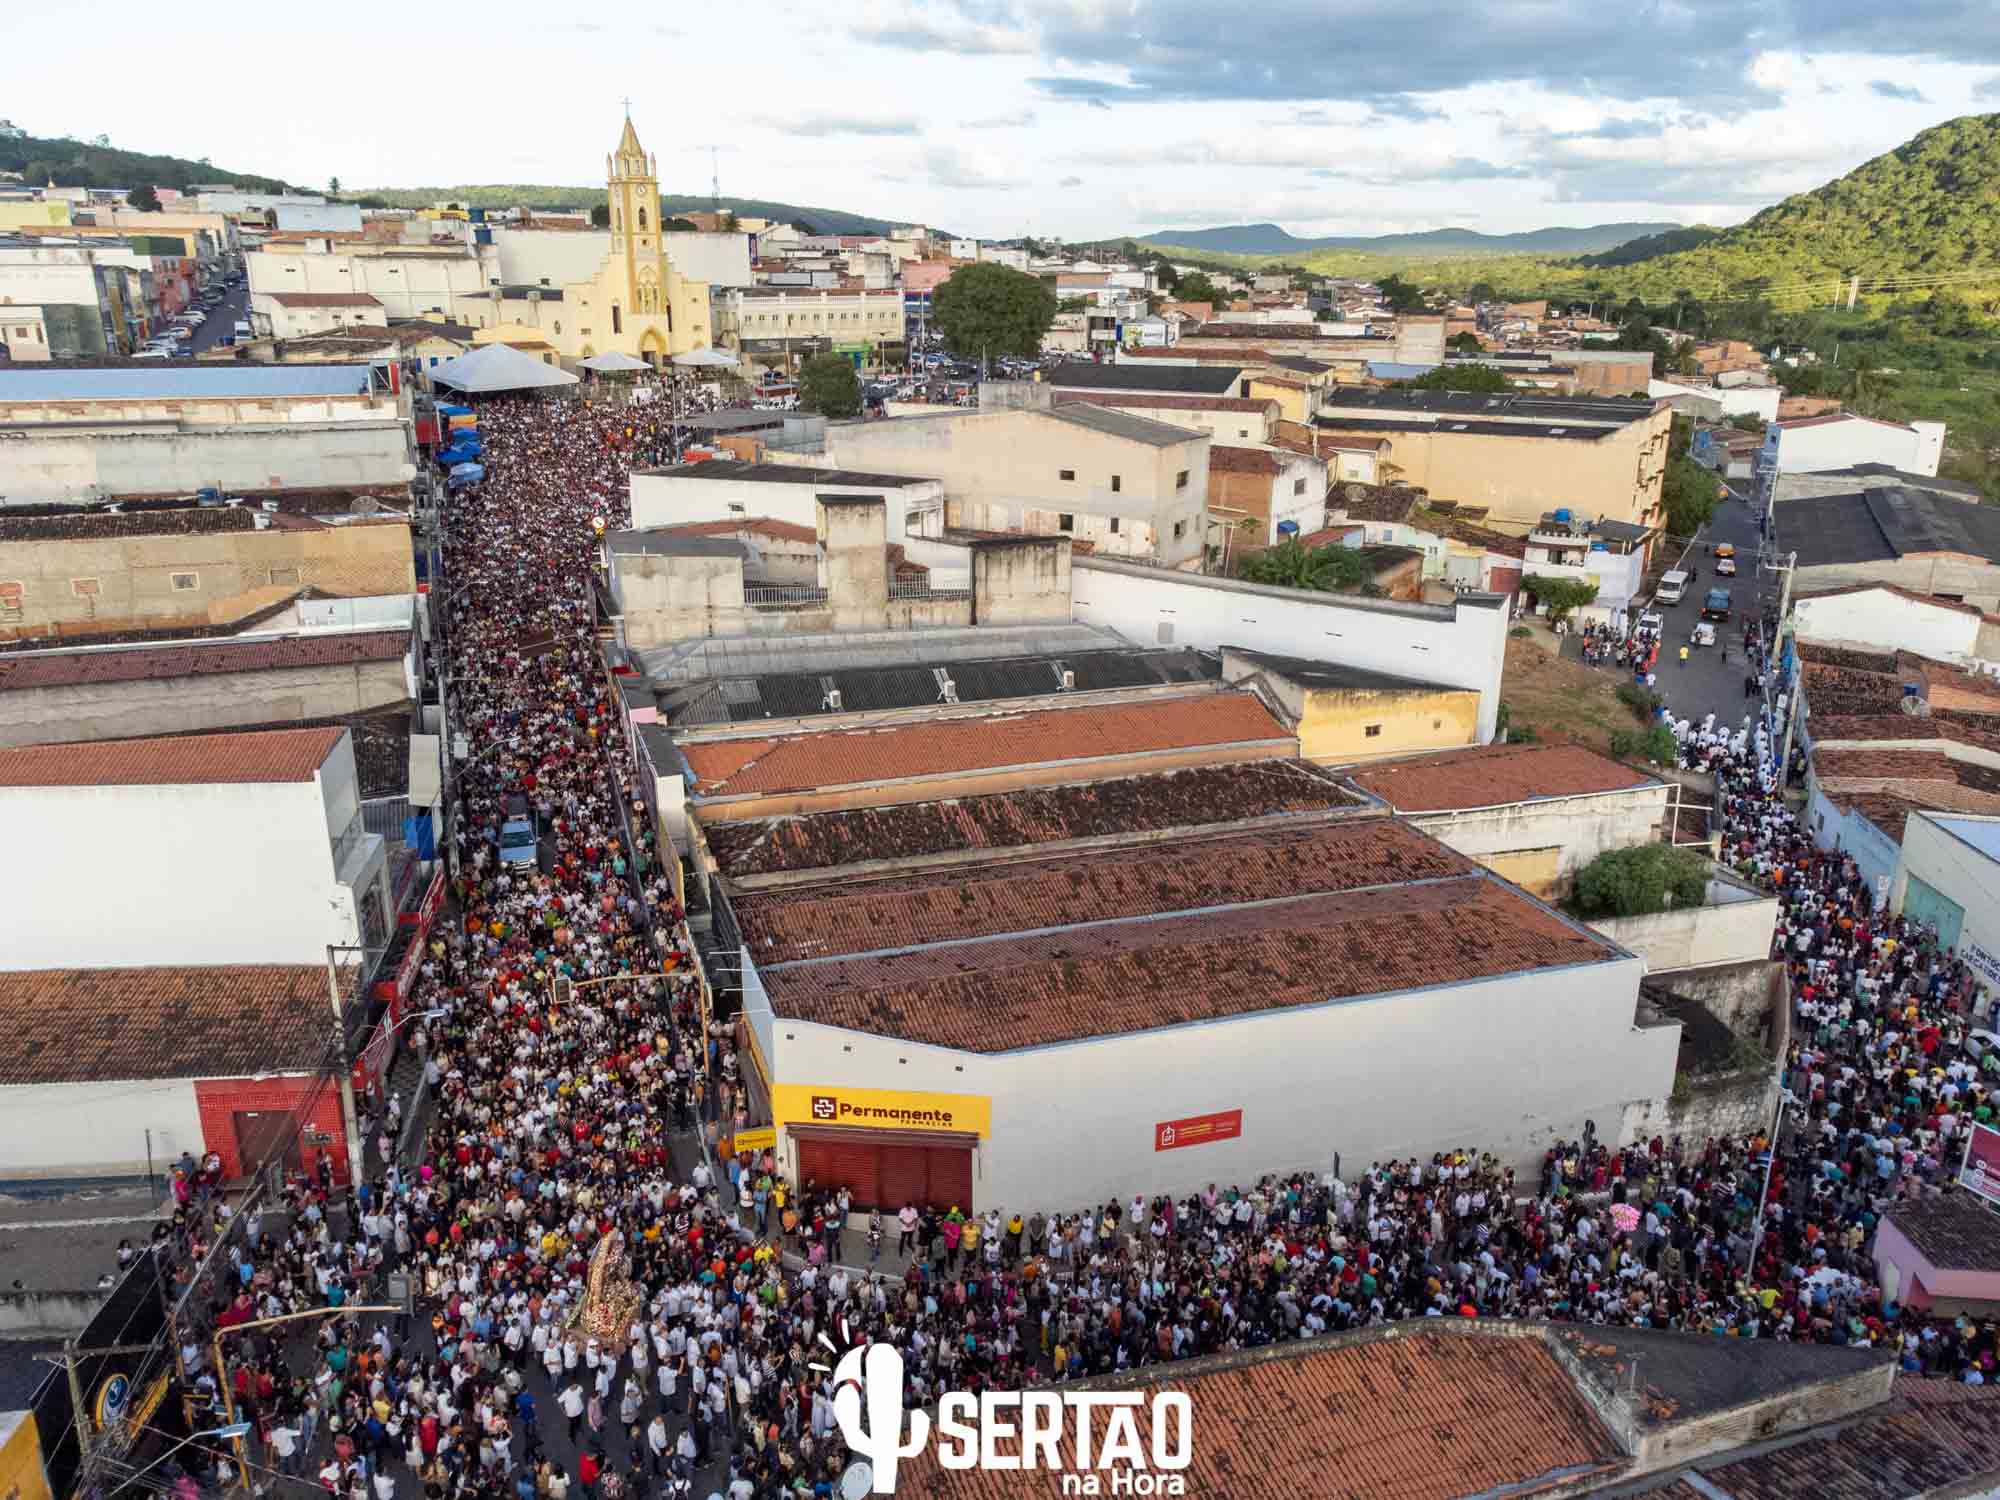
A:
[628,107]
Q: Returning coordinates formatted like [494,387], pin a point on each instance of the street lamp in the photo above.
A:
[1785,1097]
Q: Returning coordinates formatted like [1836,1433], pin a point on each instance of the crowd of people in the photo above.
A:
[577,1087]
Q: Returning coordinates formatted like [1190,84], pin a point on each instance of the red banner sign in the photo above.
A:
[432,903]
[373,1059]
[1198,1130]
[1981,1173]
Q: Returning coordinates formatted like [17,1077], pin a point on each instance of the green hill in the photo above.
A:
[573,199]
[97,163]
[1929,207]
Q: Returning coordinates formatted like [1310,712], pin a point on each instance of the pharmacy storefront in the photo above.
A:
[887,1147]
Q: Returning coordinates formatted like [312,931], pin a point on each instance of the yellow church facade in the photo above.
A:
[637,303]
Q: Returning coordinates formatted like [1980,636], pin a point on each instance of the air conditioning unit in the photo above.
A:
[832,701]
[1069,682]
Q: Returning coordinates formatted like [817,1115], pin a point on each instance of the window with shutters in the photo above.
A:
[185,582]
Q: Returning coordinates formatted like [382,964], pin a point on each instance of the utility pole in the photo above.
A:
[350,1123]
[1853,291]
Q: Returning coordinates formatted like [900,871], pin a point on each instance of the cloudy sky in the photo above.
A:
[1066,117]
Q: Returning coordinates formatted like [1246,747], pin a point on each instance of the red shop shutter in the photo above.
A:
[905,1176]
[833,1163]
[951,1176]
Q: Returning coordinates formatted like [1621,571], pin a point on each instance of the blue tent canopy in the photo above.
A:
[446,409]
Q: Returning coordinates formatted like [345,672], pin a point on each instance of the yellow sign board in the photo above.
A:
[881,1109]
[753,1140]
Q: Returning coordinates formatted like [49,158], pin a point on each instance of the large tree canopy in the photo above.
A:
[829,386]
[988,310]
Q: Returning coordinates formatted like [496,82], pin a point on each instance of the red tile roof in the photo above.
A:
[271,755]
[1224,459]
[1953,1233]
[1119,977]
[1932,1439]
[1490,775]
[942,747]
[1434,1414]
[1036,815]
[767,526]
[325,299]
[1835,728]
[1059,890]
[220,658]
[1885,765]
[102,1025]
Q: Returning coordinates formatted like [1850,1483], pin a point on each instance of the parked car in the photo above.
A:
[1716,605]
[1672,589]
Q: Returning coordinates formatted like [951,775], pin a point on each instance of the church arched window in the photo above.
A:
[642,218]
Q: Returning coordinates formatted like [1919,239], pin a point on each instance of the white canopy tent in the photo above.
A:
[612,363]
[495,367]
[710,359]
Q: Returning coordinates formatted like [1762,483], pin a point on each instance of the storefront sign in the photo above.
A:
[1198,1130]
[1981,1173]
[760,1139]
[373,1059]
[881,1109]
[1983,963]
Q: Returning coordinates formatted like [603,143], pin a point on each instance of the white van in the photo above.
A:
[1672,589]
[242,330]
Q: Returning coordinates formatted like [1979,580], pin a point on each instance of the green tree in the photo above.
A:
[1196,287]
[1561,595]
[143,197]
[1461,378]
[1168,278]
[1482,291]
[988,310]
[1639,881]
[829,386]
[600,215]
[1464,343]
[333,187]
[1328,570]
[1400,294]
[1689,493]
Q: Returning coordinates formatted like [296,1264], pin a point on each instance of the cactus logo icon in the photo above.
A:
[868,1405]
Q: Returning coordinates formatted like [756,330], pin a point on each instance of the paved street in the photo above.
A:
[221,320]
[1711,680]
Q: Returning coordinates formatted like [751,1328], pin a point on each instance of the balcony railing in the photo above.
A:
[925,591]
[783,598]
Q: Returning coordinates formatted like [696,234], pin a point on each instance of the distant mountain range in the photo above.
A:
[552,199]
[1269,239]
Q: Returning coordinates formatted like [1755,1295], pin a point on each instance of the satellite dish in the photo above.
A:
[857,1480]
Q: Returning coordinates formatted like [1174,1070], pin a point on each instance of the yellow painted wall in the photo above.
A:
[1533,870]
[22,1476]
[34,215]
[1292,404]
[1336,723]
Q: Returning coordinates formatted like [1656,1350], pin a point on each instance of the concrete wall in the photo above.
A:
[96,1129]
[1734,926]
[71,465]
[1888,622]
[116,582]
[1875,852]
[1221,426]
[1334,724]
[1970,580]
[29,1314]
[1511,1063]
[668,599]
[663,497]
[1751,997]
[1017,583]
[1002,471]
[1578,828]
[408,284]
[1461,644]
[210,855]
[177,705]
[1797,449]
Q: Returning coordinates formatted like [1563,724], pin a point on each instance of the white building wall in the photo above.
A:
[1874,851]
[334,218]
[663,498]
[1581,827]
[1461,644]
[1508,1065]
[60,465]
[125,876]
[1809,449]
[1760,401]
[407,285]
[524,257]
[718,259]
[1885,621]
[1955,869]
[97,1129]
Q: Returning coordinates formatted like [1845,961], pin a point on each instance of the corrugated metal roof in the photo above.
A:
[168,382]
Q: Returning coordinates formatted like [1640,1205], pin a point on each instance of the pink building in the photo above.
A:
[1941,1255]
